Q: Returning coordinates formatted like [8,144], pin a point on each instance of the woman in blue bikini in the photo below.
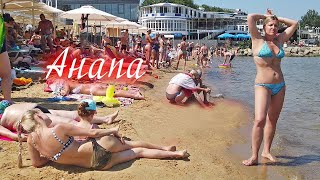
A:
[269,83]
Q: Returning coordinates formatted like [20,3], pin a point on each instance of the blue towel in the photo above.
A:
[60,98]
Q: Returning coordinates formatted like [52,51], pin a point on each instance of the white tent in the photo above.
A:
[93,14]
[24,9]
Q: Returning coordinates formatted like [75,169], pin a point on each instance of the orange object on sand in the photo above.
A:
[22,81]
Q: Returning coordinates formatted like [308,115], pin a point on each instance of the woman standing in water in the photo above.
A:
[269,83]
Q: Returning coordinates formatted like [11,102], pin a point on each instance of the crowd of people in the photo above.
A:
[73,138]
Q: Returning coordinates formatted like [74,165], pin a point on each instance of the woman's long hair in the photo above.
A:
[26,124]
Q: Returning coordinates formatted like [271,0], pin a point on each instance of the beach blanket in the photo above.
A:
[2,138]
[125,102]
[183,80]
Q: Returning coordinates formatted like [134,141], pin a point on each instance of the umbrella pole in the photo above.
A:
[100,32]
[87,29]
[113,35]
[32,13]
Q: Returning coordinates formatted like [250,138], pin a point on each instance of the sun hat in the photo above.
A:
[91,104]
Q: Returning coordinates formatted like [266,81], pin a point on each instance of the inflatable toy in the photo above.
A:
[224,65]
[108,100]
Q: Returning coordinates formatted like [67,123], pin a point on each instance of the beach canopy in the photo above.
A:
[242,36]
[124,25]
[94,14]
[26,10]
[226,36]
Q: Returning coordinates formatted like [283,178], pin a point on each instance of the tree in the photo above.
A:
[214,9]
[311,18]
[188,3]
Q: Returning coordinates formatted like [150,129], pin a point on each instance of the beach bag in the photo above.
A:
[2,32]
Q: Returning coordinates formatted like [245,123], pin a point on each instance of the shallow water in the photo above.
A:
[297,141]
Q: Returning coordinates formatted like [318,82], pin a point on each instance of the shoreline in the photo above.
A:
[289,52]
[207,135]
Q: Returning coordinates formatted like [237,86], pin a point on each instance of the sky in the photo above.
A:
[292,9]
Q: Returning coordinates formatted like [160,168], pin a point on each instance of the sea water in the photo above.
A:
[298,130]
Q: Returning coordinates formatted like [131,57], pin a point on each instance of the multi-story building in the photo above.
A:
[179,20]
[127,9]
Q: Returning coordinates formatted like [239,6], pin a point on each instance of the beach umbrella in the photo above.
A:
[226,36]
[93,14]
[20,8]
[248,36]
[241,36]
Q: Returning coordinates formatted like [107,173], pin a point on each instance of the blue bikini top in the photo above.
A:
[266,52]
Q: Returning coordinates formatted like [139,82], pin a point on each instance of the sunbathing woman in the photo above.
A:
[11,114]
[65,87]
[104,148]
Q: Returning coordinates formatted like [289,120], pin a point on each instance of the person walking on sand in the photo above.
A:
[148,48]
[182,53]
[269,84]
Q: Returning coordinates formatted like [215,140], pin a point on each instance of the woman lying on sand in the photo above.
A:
[68,87]
[11,114]
[102,150]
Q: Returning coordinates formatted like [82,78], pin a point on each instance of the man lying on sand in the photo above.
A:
[183,85]
[11,114]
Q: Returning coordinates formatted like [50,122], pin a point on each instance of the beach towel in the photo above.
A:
[183,80]
[3,138]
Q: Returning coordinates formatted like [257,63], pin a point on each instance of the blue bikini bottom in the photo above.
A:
[275,88]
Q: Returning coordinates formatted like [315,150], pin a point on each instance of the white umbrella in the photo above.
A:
[123,24]
[94,14]
[140,30]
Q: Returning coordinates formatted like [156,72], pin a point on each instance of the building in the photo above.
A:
[127,9]
[180,20]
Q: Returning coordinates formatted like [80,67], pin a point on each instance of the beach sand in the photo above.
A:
[206,134]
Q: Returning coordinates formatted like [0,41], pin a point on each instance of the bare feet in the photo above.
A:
[110,118]
[268,156]
[139,96]
[170,148]
[183,154]
[251,162]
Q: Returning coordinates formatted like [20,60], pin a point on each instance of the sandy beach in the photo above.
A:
[206,134]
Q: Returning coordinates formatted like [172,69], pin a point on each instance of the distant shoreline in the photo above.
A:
[289,51]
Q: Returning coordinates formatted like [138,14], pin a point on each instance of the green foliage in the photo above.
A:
[311,18]
[214,9]
[244,44]
[188,3]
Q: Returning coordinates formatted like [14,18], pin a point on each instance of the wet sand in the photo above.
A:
[207,135]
